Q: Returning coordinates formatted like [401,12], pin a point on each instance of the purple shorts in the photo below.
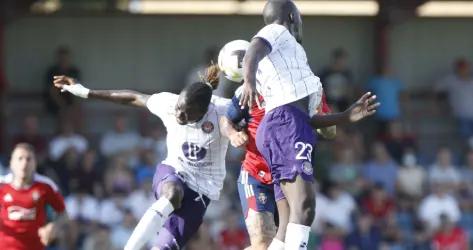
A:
[286,140]
[184,222]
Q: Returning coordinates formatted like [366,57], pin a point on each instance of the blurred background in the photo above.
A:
[401,180]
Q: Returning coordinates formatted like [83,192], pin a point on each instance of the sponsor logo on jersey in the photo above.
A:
[307,168]
[193,152]
[262,198]
[18,213]
[208,127]
[7,198]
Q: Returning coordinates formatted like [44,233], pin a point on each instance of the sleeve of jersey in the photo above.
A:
[222,105]
[234,111]
[325,107]
[272,34]
[159,103]
[56,200]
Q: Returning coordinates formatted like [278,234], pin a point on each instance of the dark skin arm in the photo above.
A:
[257,50]
[237,138]
[126,97]
[364,107]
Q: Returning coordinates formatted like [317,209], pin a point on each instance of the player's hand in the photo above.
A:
[46,234]
[249,96]
[364,107]
[69,84]
[239,139]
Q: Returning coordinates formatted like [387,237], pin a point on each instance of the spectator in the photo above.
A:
[378,204]
[66,140]
[203,239]
[391,233]
[381,169]
[142,198]
[467,171]
[459,89]
[82,207]
[155,141]
[55,101]
[436,204]
[337,81]
[366,236]
[389,91]
[111,209]
[443,171]
[99,239]
[449,236]
[120,140]
[120,234]
[118,176]
[346,171]
[332,238]
[233,236]
[30,134]
[397,141]
[335,207]
[86,175]
[352,139]
[411,179]
[63,170]
[146,165]
[466,189]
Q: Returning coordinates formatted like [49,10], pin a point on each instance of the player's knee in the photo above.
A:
[261,229]
[174,193]
[304,213]
[260,245]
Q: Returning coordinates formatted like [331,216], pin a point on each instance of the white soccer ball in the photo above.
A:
[230,59]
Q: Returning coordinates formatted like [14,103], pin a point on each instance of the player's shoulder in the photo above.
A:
[274,27]
[220,101]
[45,181]
[239,92]
[163,97]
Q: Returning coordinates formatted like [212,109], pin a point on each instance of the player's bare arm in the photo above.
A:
[364,107]
[257,50]
[127,97]
[237,138]
[49,232]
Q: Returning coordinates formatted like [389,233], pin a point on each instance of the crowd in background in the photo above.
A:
[376,189]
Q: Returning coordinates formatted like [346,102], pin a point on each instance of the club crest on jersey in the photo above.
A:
[208,127]
[35,195]
[262,198]
[8,198]
[307,168]
[193,152]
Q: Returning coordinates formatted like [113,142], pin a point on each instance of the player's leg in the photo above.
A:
[301,200]
[286,140]
[184,222]
[258,207]
[169,191]
[283,218]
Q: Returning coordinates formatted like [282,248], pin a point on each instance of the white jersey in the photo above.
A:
[197,151]
[284,75]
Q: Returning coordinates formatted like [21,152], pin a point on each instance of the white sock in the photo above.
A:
[276,244]
[297,237]
[149,224]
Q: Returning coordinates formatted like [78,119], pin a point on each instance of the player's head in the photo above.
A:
[284,12]
[195,98]
[23,161]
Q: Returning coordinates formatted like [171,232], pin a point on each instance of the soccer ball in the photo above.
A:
[230,59]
